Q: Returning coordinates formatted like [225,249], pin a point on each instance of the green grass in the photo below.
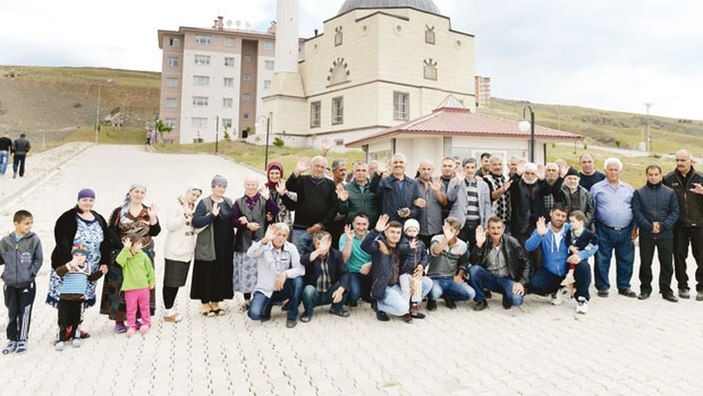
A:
[253,155]
[109,135]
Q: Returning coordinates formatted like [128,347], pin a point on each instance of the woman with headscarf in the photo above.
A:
[212,269]
[249,218]
[285,200]
[180,244]
[131,218]
[80,225]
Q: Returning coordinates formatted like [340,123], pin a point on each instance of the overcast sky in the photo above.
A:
[598,53]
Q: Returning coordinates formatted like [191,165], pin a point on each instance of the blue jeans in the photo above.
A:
[481,278]
[544,282]
[4,160]
[395,304]
[312,298]
[359,286]
[292,290]
[302,241]
[445,286]
[621,241]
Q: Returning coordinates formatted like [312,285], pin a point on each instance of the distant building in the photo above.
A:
[211,73]
[483,91]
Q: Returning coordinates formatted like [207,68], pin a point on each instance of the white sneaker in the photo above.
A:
[556,297]
[582,305]
[76,342]
[58,346]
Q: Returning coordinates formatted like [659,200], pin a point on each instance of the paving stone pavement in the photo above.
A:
[622,346]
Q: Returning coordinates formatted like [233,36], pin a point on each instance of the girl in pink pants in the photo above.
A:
[138,277]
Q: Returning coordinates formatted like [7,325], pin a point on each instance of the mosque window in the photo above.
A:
[338,110]
[429,35]
[339,72]
[401,101]
[315,108]
[338,36]
[430,69]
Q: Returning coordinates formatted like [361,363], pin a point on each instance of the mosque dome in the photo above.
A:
[422,5]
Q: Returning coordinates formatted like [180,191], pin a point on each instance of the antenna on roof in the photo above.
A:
[237,24]
[246,25]
[229,23]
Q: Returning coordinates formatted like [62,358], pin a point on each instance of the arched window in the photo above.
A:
[339,72]
[429,34]
[338,37]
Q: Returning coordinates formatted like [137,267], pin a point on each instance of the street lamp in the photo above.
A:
[525,126]
[97,112]
[259,123]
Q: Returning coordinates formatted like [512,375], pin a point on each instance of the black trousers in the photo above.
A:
[665,250]
[18,163]
[70,313]
[19,301]
[682,237]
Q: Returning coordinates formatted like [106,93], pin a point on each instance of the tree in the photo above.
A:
[161,128]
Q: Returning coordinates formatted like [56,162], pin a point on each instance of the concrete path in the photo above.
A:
[622,346]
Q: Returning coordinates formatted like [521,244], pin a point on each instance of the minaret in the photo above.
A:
[285,102]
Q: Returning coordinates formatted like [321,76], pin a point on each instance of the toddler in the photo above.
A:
[138,277]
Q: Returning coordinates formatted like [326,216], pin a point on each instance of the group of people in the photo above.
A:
[323,237]
[16,149]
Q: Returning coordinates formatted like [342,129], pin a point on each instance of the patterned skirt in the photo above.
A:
[244,279]
[175,273]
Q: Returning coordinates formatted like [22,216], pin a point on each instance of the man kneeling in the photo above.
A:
[326,278]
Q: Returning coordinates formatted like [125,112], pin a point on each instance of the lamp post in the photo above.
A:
[259,123]
[97,111]
[525,126]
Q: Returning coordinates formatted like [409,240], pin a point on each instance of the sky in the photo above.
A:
[613,55]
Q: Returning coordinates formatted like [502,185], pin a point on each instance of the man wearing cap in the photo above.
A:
[527,203]
[575,197]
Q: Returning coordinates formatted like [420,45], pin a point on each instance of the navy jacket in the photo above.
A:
[417,256]
[655,202]
[381,263]
[335,266]
[388,191]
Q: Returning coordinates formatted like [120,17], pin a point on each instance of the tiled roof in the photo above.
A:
[459,121]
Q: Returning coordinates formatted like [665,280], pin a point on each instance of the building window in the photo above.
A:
[227,123]
[227,103]
[230,42]
[338,36]
[171,102]
[339,72]
[202,59]
[173,61]
[201,81]
[315,108]
[246,97]
[174,42]
[430,69]
[337,110]
[429,34]
[229,61]
[170,122]
[268,65]
[247,58]
[401,109]
[203,39]
[198,122]
[228,82]
[267,85]
[269,45]
[200,101]
[246,77]
[245,116]
[172,82]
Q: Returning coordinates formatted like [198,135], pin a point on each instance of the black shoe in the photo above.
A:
[603,293]
[380,315]
[507,304]
[265,318]
[451,304]
[342,312]
[487,294]
[643,296]
[408,318]
[684,293]
[353,304]
[431,305]
[670,297]
[290,323]
[306,318]
[481,305]
[415,312]
[284,307]
[627,293]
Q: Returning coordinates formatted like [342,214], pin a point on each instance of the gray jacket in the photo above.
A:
[269,265]
[585,202]
[22,259]
[456,192]
[21,146]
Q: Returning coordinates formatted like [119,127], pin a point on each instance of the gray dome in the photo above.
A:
[422,5]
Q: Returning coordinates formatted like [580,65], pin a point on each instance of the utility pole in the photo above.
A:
[646,129]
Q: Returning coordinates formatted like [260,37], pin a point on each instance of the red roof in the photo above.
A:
[460,121]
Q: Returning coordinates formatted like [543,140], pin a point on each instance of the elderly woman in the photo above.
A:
[212,269]
[180,244]
[249,217]
[131,218]
[79,225]
[284,199]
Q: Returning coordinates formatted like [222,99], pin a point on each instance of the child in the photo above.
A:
[412,253]
[138,278]
[21,253]
[579,238]
[75,277]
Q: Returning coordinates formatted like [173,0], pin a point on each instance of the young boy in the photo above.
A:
[21,253]
[138,277]
[580,238]
[413,252]
[75,276]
